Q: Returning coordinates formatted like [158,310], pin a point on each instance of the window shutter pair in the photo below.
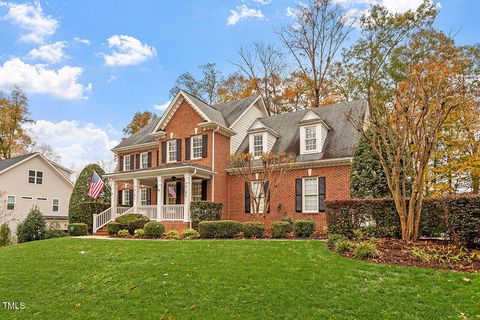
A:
[120,163]
[130,198]
[321,194]
[179,149]
[164,151]
[187,148]
[137,161]
[204,189]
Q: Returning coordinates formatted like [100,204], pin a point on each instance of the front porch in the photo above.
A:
[160,194]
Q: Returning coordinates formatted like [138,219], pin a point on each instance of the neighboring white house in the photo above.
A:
[31,180]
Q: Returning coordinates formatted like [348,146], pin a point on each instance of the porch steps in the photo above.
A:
[101,232]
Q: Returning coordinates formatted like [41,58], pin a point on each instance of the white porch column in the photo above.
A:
[136,192]
[159,197]
[187,196]
[114,200]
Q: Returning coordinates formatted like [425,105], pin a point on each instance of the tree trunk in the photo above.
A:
[475,183]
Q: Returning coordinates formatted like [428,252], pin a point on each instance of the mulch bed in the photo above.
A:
[440,255]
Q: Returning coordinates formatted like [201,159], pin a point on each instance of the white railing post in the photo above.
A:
[159,197]
[95,223]
[114,200]
[187,196]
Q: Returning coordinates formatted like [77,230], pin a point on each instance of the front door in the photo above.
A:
[171,193]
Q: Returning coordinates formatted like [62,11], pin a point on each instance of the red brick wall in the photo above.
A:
[337,187]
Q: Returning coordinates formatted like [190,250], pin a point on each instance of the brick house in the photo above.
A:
[183,157]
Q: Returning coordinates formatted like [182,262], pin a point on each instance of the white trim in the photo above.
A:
[129,156]
[135,147]
[125,203]
[14,202]
[168,151]
[26,198]
[142,190]
[310,164]
[151,173]
[303,195]
[201,147]
[261,195]
[251,143]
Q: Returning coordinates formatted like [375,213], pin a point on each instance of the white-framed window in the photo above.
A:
[311,138]
[172,150]
[11,202]
[310,194]
[35,177]
[127,165]
[143,196]
[257,189]
[55,205]
[257,145]
[126,197]
[143,160]
[197,147]
[197,190]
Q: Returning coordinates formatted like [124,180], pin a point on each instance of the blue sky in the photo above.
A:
[88,66]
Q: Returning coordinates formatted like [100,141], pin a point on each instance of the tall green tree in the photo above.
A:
[82,208]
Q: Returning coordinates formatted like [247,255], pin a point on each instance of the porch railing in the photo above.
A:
[149,211]
[101,219]
[172,212]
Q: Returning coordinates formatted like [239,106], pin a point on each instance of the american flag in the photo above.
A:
[96,186]
[172,192]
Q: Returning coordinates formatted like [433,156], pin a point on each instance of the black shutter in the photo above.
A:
[321,194]
[204,189]
[149,159]
[179,149]
[149,196]
[298,195]
[165,192]
[120,197]
[132,158]
[205,146]
[179,190]
[158,158]
[137,161]
[164,152]
[131,197]
[187,148]
[266,193]
[247,198]
[121,163]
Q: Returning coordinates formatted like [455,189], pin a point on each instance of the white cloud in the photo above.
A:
[262,2]
[31,18]
[37,78]
[78,144]
[162,106]
[292,13]
[112,78]
[51,53]
[127,51]
[82,41]
[242,13]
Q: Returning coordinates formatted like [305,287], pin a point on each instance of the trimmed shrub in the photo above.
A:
[78,229]
[139,233]
[280,229]
[190,234]
[333,239]
[204,211]
[343,246]
[82,207]
[5,235]
[33,227]
[154,230]
[54,231]
[132,222]
[253,230]
[365,250]
[464,219]
[113,227]
[126,218]
[173,235]
[224,229]
[303,228]
[124,233]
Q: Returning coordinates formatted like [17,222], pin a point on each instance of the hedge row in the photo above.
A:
[458,217]
[204,211]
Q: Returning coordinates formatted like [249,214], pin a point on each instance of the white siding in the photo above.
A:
[270,141]
[324,132]
[243,124]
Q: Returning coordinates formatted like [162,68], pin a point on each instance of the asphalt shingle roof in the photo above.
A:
[6,163]
[231,110]
[141,136]
[212,113]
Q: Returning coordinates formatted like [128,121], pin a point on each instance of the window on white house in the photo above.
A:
[197,147]
[257,145]
[144,160]
[172,150]
[257,189]
[126,197]
[197,190]
[127,163]
[35,177]
[310,195]
[143,197]
[55,205]
[10,202]
[311,138]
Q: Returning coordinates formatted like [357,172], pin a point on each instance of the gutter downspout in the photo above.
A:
[213,162]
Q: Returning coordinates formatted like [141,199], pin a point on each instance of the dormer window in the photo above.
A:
[257,145]
[311,138]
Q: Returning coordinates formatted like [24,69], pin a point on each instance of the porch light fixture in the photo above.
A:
[174,178]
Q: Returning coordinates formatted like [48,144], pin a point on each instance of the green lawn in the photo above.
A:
[221,280]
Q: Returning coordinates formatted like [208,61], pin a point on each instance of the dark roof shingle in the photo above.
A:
[6,163]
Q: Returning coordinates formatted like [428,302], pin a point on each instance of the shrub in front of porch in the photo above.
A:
[132,222]
[280,229]
[153,230]
[224,229]
[204,211]
[303,228]
[78,229]
[190,234]
[253,229]
[113,227]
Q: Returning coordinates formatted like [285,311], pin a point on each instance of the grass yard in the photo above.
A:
[234,279]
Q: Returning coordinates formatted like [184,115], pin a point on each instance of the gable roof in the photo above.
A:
[142,136]
[341,139]
[212,114]
[8,164]
[232,110]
